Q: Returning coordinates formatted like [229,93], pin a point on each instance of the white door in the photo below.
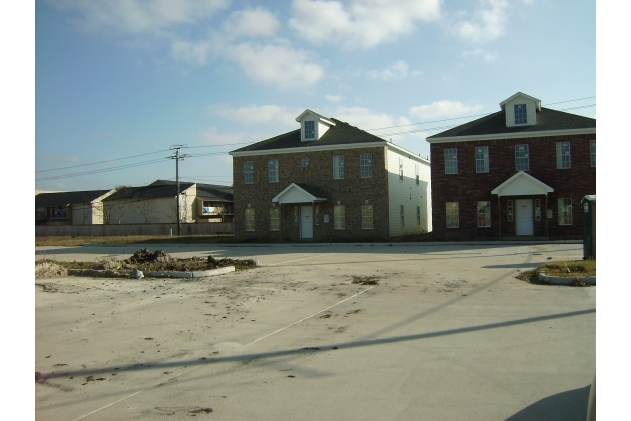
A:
[306,222]
[523,217]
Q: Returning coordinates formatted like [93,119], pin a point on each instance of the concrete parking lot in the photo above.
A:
[448,333]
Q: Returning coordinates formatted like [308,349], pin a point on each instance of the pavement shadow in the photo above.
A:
[565,406]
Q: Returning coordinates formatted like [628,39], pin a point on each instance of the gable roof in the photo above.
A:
[522,184]
[339,134]
[495,124]
[537,101]
[68,198]
[215,193]
[152,191]
[299,193]
[319,116]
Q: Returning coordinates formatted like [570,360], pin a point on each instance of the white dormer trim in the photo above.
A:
[321,124]
[522,184]
[532,104]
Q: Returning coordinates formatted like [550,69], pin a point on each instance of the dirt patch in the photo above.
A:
[143,260]
[365,280]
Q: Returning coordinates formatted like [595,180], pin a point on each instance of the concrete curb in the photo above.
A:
[391,244]
[198,274]
[566,280]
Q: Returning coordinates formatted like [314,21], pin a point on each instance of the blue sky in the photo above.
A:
[119,82]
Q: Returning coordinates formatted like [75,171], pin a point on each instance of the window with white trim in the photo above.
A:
[400,169]
[295,216]
[249,219]
[339,217]
[402,216]
[592,153]
[272,170]
[537,210]
[418,179]
[418,216]
[521,115]
[481,159]
[484,214]
[451,161]
[452,215]
[522,161]
[367,217]
[563,155]
[565,211]
[310,131]
[510,210]
[338,167]
[248,170]
[365,165]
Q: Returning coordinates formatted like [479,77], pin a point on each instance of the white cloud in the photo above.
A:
[362,23]
[397,70]
[443,109]
[213,137]
[333,98]
[478,52]
[280,65]
[138,16]
[488,23]
[190,51]
[265,114]
[363,118]
[252,22]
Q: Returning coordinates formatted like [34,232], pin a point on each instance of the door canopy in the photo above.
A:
[299,193]
[522,184]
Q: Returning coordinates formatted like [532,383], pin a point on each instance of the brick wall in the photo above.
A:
[352,192]
[467,187]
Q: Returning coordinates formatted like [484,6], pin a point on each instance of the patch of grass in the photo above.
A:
[570,268]
[576,268]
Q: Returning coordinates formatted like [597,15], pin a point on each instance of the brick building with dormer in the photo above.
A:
[329,181]
[521,171]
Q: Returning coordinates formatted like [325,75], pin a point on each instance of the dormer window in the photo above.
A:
[521,116]
[313,126]
[310,132]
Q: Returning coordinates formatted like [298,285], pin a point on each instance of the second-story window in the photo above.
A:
[400,169]
[365,165]
[310,133]
[563,155]
[521,116]
[272,170]
[248,170]
[338,167]
[451,161]
[482,159]
[592,153]
[522,162]
[418,180]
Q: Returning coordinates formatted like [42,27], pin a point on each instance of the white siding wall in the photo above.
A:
[408,193]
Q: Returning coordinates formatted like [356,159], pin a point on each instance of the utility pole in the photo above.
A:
[177,158]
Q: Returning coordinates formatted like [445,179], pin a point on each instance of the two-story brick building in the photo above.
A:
[329,181]
[521,171]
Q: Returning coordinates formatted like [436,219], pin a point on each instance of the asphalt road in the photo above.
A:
[448,333]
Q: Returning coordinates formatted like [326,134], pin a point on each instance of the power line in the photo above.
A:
[103,162]
[471,116]
[138,164]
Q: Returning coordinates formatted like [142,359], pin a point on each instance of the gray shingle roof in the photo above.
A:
[152,191]
[340,134]
[547,119]
[216,193]
[67,198]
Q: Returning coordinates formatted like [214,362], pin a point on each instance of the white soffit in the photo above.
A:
[522,184]
[296,194]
